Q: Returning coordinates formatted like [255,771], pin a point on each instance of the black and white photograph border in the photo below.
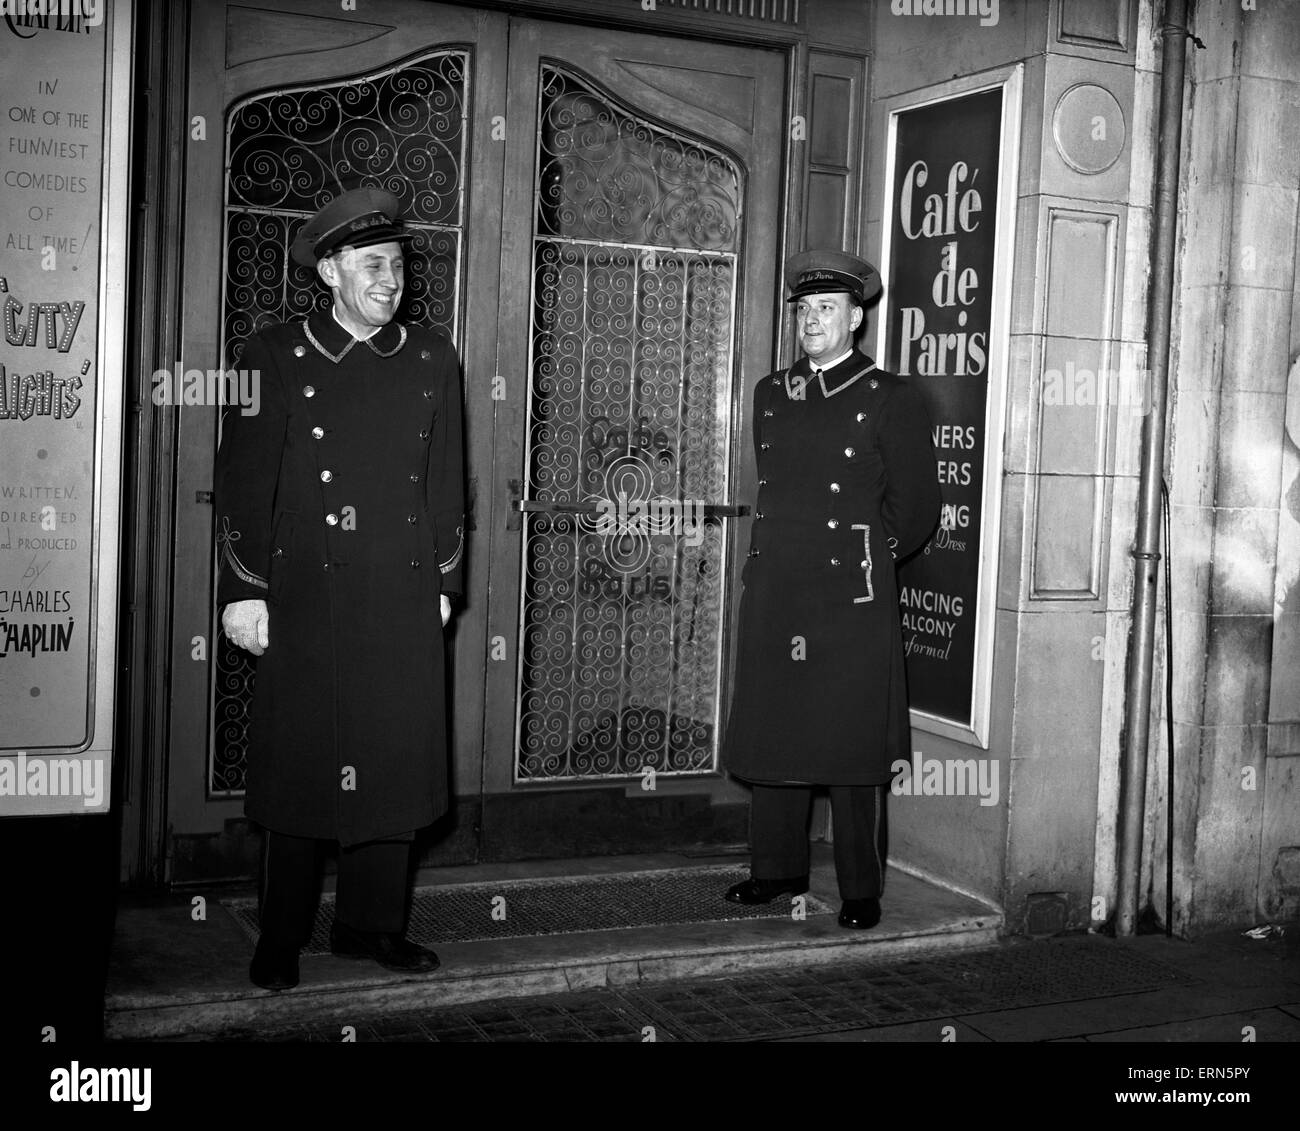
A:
[730,522]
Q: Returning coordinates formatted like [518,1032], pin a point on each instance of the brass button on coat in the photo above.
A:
[332,520]
[848,452]
[326,476]
[835,488]
[308,391]
[299,351]
[833,523]
[318,432]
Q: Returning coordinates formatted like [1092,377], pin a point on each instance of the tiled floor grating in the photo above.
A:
[768,1006]
[557,906]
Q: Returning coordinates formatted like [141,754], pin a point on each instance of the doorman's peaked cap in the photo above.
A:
[820,272]
[356,218]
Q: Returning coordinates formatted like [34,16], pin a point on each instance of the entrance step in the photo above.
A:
[568,925]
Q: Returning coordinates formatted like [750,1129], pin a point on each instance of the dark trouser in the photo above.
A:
[370,894]
[779,833]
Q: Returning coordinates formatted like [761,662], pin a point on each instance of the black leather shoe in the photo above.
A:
[390,949]
[273,968]
[860,913]
[750,892]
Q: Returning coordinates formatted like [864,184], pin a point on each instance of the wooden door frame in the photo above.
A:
[166,33]
[520,818]
[161,38]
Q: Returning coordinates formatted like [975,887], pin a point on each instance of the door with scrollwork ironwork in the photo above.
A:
[597,218]
[638,258]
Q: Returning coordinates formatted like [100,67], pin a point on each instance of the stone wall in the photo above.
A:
[1235,483]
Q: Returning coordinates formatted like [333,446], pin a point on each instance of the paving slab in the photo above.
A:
[1233,975]
[1266,1025]
[947,1029]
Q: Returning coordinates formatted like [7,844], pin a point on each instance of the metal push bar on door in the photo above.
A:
[520,506]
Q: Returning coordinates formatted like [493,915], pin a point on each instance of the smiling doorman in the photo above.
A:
[340,519]
[847,485]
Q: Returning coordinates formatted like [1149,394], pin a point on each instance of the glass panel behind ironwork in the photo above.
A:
[634,295]
[289,152]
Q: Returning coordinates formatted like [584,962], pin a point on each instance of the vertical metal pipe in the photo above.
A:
[1146,551]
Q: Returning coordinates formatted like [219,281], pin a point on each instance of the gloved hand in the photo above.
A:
[247,625]
[445,603]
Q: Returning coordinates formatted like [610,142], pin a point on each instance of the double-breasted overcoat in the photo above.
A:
[847,483]
[341,503]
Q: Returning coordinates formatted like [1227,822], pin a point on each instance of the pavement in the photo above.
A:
[177,973]
[938,968]
[105,988]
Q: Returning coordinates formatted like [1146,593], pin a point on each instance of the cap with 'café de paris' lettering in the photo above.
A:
[356,218]
[831,272]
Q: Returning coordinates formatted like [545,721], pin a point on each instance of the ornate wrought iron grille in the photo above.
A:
[288,152]
[637,231]
[777,11]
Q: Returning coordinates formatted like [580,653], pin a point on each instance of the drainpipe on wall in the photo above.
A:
[1146,552]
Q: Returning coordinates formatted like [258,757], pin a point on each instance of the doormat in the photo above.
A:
[767,1005]
[559,905]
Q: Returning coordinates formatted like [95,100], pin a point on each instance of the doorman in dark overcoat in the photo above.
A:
[340,525]
[847,484]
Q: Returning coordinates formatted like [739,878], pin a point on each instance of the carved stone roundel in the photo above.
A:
[1088,128]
